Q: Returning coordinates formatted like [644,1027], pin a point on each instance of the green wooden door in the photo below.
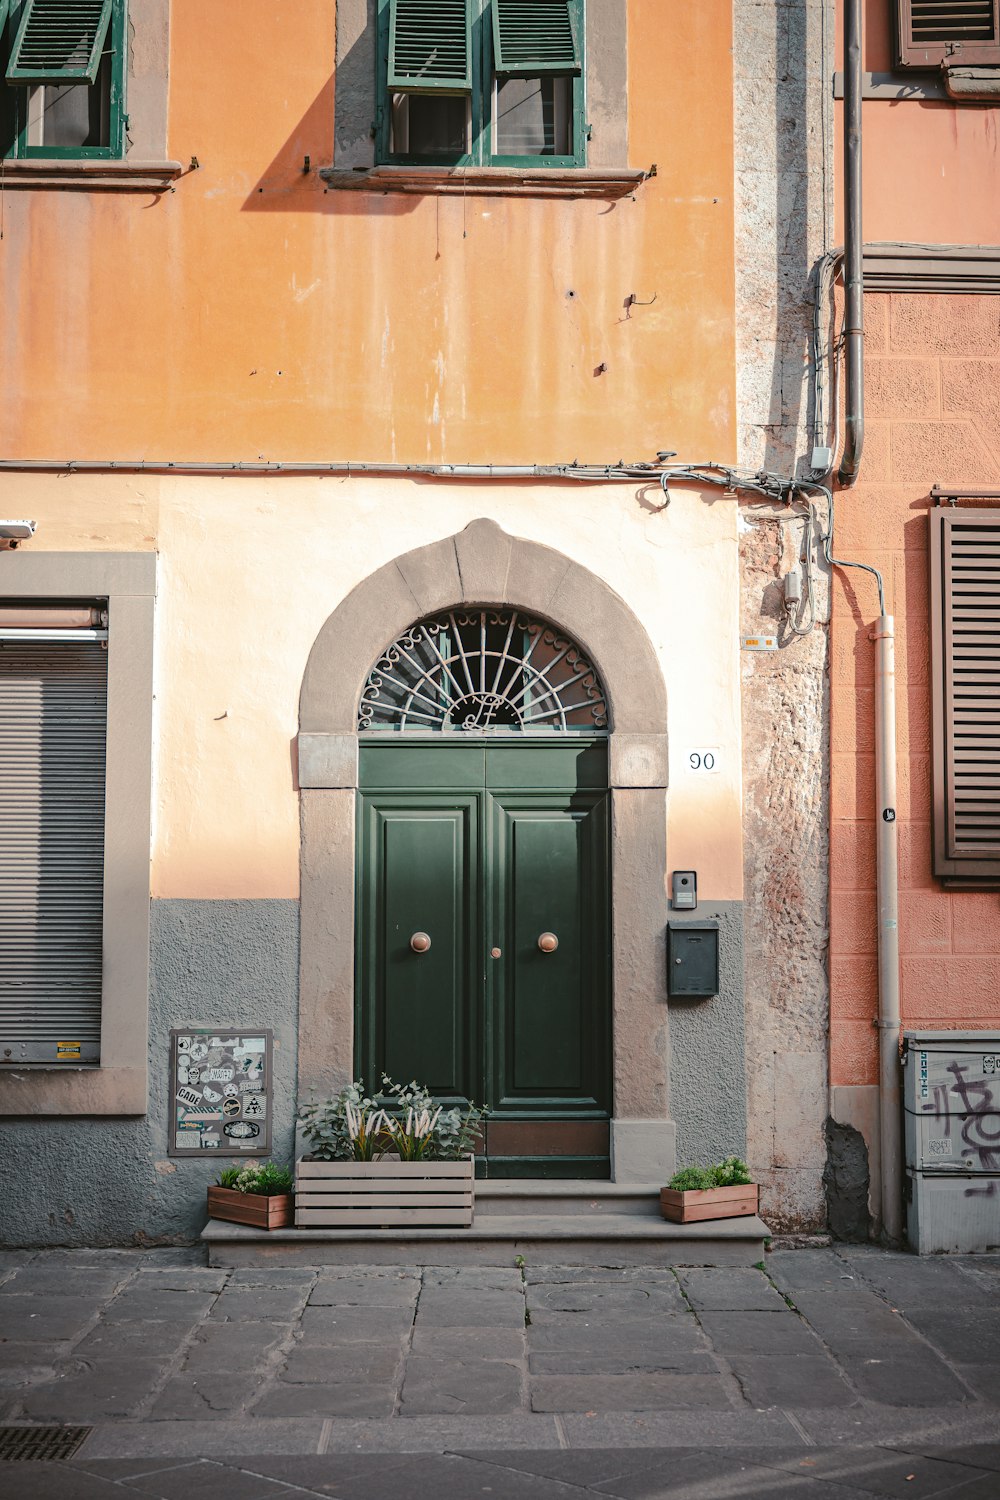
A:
[484,847]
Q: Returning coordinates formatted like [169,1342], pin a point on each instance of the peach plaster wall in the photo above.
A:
[933,416]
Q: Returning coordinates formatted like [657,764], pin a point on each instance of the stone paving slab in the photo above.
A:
[447,1307]
[730,1291]
[758,1333]
[352,1398]
[666,1390]
[204,1393]
[232,1346]
[93,1390]
[450,1386]
[46,1319]
[314,1365]
[346,1325]
[259,1304]
[364,1292]
[836,1346]
[486,1343]
[791,1381]
[145,1304]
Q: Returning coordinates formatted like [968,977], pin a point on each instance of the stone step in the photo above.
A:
[496,1239]
[546,1196]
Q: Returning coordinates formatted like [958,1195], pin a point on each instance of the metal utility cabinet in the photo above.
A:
[951,1097]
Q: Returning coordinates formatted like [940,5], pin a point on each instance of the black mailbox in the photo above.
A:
[692,958]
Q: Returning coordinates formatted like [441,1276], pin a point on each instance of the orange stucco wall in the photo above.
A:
[930,167]
[252,312]
[933,393]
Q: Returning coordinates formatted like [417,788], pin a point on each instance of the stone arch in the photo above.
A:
[483,565]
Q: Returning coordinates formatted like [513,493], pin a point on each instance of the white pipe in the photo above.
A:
[887,883]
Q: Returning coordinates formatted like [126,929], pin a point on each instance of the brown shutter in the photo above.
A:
[965,686]
[932,32]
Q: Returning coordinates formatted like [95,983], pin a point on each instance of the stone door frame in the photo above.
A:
[483,566]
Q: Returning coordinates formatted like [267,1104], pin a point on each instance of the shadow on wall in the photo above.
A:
[288,185]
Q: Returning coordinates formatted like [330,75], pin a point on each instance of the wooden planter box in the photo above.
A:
[708,1203]
[384,1194]
[263,1211]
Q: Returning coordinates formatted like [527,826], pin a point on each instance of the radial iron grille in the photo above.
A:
[44,1444]
[974,603]
[953,21]
[484,671]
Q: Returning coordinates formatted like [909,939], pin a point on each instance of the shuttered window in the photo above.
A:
[430,46]
[535,37]
[59,41]
[965,647]
[53,733]
[63,62]
[932,32]
[482,83]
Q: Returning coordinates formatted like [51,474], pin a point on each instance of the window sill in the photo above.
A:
[518,182]
[58,172]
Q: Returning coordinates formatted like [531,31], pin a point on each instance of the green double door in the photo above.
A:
[483,939]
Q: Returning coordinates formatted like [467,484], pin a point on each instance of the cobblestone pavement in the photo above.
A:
[835,1373]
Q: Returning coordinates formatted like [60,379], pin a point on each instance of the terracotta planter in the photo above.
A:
[263,1211]
[384,1194]
[708,1203]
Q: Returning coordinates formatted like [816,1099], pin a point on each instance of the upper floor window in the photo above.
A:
[481,82]
[64,70]
[936,33]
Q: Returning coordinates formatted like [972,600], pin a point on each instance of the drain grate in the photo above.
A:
[22,1444]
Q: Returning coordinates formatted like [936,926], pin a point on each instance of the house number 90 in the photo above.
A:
[703,760]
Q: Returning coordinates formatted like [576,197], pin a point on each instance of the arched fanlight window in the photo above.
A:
[484,670]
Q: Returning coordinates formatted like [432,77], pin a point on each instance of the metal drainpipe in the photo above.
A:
[887,884]
[854,294]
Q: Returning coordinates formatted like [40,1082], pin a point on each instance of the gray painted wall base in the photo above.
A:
[708,1084]
[102,1181]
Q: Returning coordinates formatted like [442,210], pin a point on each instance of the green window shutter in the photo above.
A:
[535,36]
[4,12]
[430,46]
[59,41]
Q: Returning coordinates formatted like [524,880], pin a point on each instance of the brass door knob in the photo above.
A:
[494,953]
[548,942]
[420,942]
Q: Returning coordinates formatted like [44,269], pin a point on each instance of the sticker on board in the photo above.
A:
[220,1090]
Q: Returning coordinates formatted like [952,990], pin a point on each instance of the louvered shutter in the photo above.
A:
[965,646]
[932,32]
[4,13]
[53,731]
[59,41]
[535,36]
[430,46]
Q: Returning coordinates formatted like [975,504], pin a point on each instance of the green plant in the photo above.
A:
[729,1173]
[266,1179]
[403,1120]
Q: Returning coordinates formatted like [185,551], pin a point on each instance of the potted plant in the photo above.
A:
[724,1191]
[381,1162]
[260,1195]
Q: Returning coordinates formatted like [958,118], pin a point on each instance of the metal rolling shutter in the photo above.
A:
[965,624]
[53,731]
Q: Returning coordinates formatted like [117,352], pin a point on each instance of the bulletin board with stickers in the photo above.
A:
[220,1092]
